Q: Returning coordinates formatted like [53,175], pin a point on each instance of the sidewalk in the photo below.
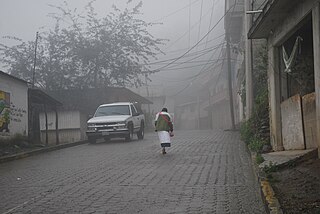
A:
[29,151]
[290,181]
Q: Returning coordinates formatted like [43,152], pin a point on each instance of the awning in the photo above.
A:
[274,12]
[37,96]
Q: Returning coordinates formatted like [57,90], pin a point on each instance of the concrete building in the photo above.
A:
[292,29]
[13,106]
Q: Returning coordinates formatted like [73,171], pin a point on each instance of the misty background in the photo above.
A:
[183,23]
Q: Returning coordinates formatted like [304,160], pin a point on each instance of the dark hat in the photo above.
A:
[165,110]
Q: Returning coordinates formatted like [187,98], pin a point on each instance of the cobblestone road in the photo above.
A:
[203,172]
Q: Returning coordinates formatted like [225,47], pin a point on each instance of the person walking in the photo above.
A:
[164,127]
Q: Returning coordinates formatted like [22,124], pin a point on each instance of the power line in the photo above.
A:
[176,11]
[203,43]
[189,25]
[197,42]
[200,20]
[233,7]
[213,3]
[208,50]
[194,66]
[191,60]
[203,70]
[188,31]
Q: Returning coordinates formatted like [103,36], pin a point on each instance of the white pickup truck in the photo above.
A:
[115,120]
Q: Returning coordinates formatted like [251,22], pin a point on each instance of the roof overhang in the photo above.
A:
[39,97]
[274,12]
[13,77]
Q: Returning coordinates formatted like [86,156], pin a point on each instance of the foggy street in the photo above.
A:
[203,172]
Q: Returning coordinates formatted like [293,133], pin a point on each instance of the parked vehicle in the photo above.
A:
[116,120]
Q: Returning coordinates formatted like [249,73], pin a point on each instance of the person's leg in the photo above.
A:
[164,150]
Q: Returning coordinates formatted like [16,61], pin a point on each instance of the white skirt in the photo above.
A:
[164,137]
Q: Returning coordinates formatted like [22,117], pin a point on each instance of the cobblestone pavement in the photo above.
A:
[203,172]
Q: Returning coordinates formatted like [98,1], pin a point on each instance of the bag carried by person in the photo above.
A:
[171,133]
[170,125]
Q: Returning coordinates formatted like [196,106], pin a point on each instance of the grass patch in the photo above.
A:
[269,170]
[256,144]
[259,159]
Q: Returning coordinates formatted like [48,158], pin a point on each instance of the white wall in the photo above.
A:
[66,120]
[18,91]
[71,125]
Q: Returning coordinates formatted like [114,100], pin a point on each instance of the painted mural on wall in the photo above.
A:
[4,112]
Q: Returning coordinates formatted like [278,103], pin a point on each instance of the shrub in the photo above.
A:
[259,159]
[17,139]
[256,144]
[246,131]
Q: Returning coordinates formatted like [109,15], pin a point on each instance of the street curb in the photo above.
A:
[39,151]
[272,205]
[271,200]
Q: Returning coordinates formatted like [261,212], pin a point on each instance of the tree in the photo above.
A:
[88,51]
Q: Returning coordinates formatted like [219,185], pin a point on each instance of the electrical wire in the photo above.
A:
[213,3]
[202,71]
[233,7]
[158,69]
[194,66]
[208,50]
[203,43]
[200,20]
[188,31]
[176,11]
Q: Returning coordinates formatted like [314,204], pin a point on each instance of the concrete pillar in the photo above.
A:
[274,98]
[248,60]
[316,52]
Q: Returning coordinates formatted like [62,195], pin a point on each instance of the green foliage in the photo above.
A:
[86,50]
[269,170]
[255,131]
[303,82]
[256,144]
[246,131]
[259,159]
[6,115]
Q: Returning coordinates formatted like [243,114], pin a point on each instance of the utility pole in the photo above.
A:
[248,62]
[35,59]
[198,110]
[189,23]
[147,88]
[230,79]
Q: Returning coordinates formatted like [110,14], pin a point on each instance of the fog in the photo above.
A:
[190,54]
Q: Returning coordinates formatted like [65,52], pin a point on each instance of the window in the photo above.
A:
[112,110]
[133,110]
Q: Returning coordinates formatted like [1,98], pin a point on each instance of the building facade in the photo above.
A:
[292,29]
[13,106]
